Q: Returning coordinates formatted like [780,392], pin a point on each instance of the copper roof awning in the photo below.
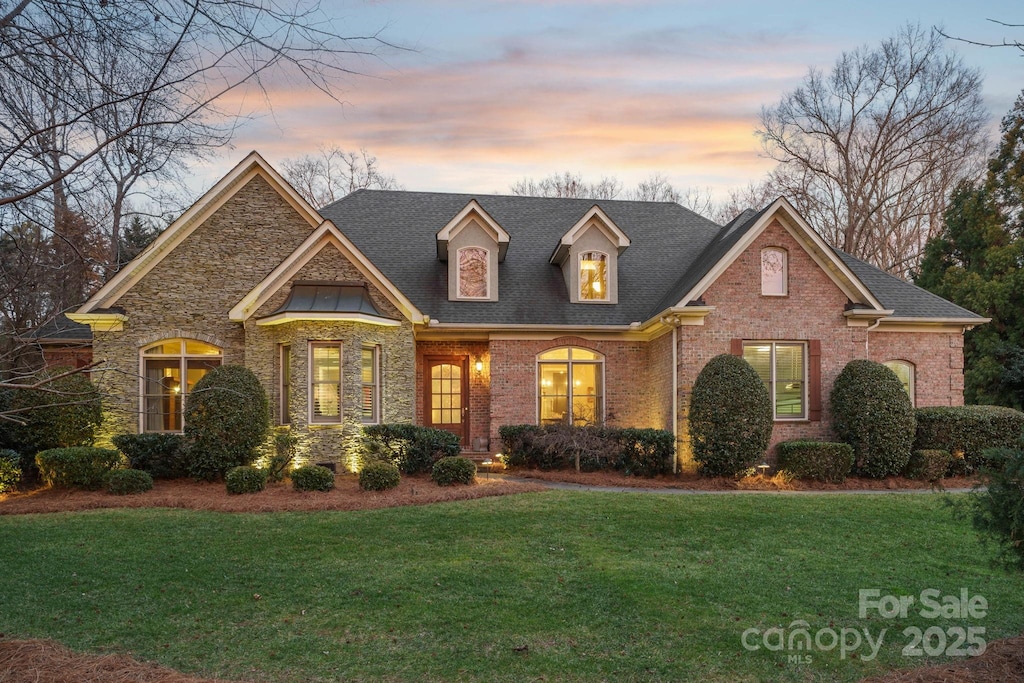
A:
[328,300]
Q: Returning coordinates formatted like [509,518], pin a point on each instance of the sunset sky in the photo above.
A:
[491,91]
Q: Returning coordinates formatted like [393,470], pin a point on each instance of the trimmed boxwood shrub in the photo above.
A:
[822,460]
[163,456]
[10,470]
[226,420]
[458,470]
[928,464]
[968,430]
[126,482]
[730,417]
[82,467]
[998,508]
[379,476]
[645,452]
[411,448]
[245,479]
[312,478]
[872,413]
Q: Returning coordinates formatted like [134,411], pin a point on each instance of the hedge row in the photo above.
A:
[412,449]
[821,460]
[966,431]
[637,452]
[82,467]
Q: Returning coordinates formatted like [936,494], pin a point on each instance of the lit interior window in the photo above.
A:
[593,276]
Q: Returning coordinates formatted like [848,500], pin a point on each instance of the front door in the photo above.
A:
[446,400]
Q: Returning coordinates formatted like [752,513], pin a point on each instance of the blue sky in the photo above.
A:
[492,91]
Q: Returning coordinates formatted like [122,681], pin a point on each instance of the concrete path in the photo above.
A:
[567,486]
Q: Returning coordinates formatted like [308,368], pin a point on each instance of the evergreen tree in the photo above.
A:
[978,262]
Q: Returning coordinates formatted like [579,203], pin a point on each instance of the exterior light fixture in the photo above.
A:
[763,468]
[478,365]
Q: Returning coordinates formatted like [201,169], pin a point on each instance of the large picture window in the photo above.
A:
[593,276]
[473,273]
[570,386]
[370,361]
[325,382]
[783,368]
[170,369]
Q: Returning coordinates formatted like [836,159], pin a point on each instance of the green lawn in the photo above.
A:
[565,586]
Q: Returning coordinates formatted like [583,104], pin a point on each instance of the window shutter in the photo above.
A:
[814,380]
[736,347]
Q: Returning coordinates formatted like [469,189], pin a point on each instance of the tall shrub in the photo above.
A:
[998,507]
[872,413]
[226,420]
[968,430]
[730,417]
[63,413]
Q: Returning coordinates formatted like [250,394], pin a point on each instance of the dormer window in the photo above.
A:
[588,255]
[774,272]
[593,276]
[473,244]
[473,276]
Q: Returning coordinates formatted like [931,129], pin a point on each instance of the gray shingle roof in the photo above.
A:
[904,299]
[672,249]
[63,329]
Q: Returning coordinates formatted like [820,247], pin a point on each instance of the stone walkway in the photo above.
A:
[567,486]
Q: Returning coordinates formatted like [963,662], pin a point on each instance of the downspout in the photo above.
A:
[675,396]
[674,322]
[867,349]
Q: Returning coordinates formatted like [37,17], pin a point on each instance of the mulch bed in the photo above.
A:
[32,661]
[279,497]
[690,481]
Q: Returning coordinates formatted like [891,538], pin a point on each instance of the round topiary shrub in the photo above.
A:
[126,482]
[10,470]
[379,476]
[928,464]
[312,478]
[457,470]
[872,413]
[245,479]
[226,420]
[730,417]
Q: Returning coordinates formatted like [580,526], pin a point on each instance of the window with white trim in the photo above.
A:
[325,382]
[905,371]
[170,369]
[570,386]
[774,272]
[783,368]
[593,276]
[370,370]
[473,275]
[285,386]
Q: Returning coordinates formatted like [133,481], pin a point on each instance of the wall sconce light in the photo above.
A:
[478,365]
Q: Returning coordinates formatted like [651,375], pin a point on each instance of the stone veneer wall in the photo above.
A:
[337,443]
[189,293]
[813,309]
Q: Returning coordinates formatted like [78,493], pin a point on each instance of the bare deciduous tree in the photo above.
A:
[333,172]
[1003,43]
[654,188]
[870,151]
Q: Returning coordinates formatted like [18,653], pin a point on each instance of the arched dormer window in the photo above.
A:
[905,371]
[472,273]
[774,272]
[170,369]
[594,276]
[570,386]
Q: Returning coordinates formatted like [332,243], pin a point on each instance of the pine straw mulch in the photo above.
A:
[279,497]
[691,481]
[32,661]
